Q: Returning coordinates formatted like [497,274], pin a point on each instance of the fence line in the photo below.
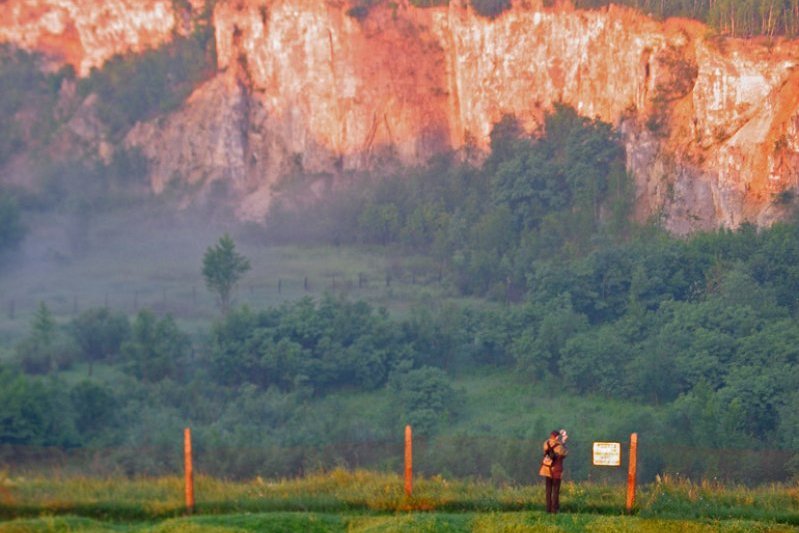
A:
[498,459]
[194,299]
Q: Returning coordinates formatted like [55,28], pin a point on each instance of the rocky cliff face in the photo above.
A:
[711,124]
[85,33]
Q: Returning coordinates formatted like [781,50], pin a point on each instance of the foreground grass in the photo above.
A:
[405,522]
[368,501]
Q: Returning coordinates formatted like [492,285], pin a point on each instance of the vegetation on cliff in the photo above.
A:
[740,18]
[138,87]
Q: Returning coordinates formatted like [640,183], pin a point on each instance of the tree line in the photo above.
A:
[738,18]
[742,18]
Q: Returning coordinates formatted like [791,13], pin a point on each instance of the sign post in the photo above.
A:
[189,470]
[408,461]
[607,454]
[631,471]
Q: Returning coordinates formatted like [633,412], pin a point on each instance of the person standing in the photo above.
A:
[552,468]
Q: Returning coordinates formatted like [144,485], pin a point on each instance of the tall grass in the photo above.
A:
[519,522]
[377,494]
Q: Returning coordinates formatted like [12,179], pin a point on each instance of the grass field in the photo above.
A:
[146,258]
[367,501]
[402,522]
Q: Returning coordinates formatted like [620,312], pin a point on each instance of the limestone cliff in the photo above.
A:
[711,124]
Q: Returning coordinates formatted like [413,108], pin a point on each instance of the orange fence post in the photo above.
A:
[631,471]
[189,470]
[408,461]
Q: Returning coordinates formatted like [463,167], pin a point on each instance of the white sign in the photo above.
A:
[607,454]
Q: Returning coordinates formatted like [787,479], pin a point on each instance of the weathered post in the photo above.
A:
[189,470]
[408,461]
[631,471]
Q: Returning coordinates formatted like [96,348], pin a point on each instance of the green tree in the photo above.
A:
[95,410]
[34,412]
[223,267]
[157,349]
[37,351]
[11,229]
[426,398]
[99,333]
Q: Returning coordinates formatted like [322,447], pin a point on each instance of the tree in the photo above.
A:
[34,412]
[425,398]
[36,351]
[223,267]
[11,229]
[95,410]
[157,349]
[99,333]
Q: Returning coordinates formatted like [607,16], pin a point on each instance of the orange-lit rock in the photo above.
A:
[85,33]
[711,124]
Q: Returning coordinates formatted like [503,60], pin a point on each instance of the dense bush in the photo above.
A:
[157,349]
[137,87]
[12,230]
[736,17]
[99,333]
[27,99]
[425,398]
[322,346]
[491,8]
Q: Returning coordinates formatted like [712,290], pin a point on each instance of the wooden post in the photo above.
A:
[631,471]
[189,470]
[408,461]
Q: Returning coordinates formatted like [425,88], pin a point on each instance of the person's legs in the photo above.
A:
[555,495]
[549,494]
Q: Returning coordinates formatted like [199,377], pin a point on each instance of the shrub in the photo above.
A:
[491,8]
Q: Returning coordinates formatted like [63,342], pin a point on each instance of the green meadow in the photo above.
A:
[342,500]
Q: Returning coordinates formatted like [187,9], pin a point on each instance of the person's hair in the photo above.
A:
[555,433]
